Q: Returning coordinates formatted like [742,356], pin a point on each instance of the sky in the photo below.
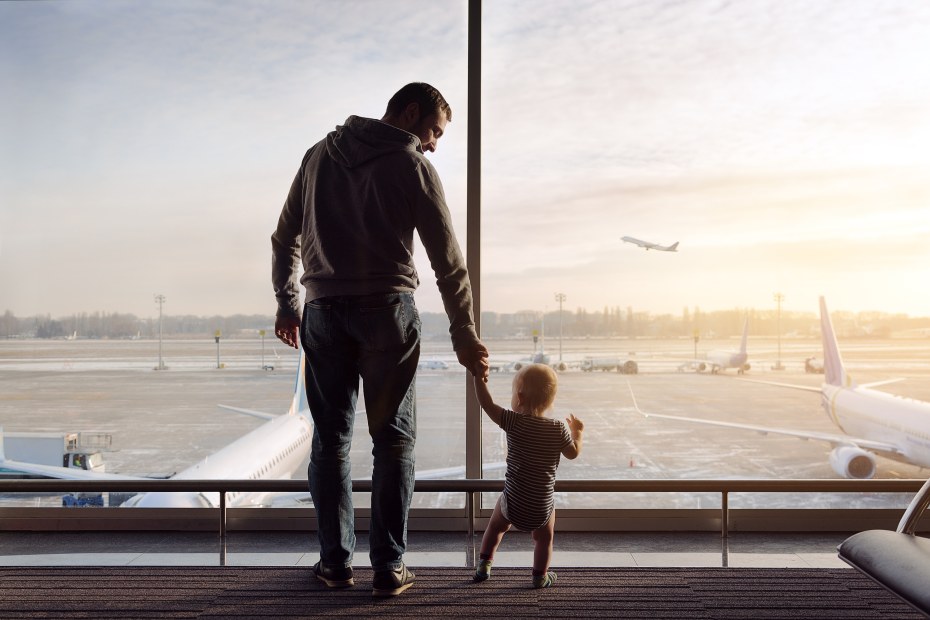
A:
[785,144]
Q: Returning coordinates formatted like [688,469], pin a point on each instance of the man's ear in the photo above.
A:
[412,113]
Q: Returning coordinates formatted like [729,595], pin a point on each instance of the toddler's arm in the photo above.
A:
[576,427]
[485,400]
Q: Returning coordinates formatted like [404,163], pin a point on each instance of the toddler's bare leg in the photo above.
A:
[494,533]
[542,553]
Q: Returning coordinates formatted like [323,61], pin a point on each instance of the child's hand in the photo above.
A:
[574,423]
[481,370]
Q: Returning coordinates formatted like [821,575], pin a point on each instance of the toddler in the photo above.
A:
[534,446]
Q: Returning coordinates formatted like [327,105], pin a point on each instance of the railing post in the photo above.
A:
[724,514]
[223,516]
[470,511]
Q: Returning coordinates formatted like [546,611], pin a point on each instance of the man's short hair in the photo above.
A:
[428,98]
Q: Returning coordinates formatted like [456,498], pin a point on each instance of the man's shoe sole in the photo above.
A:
[393,592]
[347,583]
[332,583]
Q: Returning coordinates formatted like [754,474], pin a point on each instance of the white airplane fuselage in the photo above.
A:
[883,417]
[721,360]
[273,451]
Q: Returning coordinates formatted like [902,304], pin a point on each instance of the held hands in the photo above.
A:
[475,360]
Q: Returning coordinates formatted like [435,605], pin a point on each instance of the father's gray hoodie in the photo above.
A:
[349,219]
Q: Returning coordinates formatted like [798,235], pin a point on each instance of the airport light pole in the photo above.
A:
[560,297]
[778,299]
[160,300]
[216,335]
[261,333]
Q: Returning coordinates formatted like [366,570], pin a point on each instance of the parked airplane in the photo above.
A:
[275,450]
[718,359]
[871,422]
[650,245]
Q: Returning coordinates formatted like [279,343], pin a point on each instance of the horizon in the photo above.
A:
[599,310]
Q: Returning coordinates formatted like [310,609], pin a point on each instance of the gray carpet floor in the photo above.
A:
[292,592]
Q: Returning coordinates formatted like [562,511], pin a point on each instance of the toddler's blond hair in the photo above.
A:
[538,388]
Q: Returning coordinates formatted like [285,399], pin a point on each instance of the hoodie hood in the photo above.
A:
[360,140]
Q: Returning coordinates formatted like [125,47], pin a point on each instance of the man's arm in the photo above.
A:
[286,261]
[434,225]
[486,402]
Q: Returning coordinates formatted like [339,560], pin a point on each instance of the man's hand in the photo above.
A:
[475,360]
[286,329]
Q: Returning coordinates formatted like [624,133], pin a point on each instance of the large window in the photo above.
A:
[147,150]
[782,145]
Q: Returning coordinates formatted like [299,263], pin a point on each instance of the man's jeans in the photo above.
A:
[377,338]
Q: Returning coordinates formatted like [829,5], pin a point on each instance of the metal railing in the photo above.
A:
[472,488]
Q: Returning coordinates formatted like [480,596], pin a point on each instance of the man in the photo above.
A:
[349,219]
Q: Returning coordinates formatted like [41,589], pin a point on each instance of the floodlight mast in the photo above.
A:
[778,297]
[160,300]
[560,297]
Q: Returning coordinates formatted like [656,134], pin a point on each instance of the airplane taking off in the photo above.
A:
[871,422]
[650,245]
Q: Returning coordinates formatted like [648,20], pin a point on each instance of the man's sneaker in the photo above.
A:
[483,572]
[392,582]
[334,577]
[544,581]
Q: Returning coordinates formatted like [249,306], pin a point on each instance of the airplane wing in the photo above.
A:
[443,473]
[251,412]
[830,438]
[810,388]
[457,471]
[793,386]
[63,473]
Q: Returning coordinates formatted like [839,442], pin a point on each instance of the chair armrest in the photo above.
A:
[915,510]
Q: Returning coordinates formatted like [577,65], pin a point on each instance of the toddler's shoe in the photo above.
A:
[544,581]
[483,572]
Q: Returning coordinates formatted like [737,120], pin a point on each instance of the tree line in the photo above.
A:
[613,322]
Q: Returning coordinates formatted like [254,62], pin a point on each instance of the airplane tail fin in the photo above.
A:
[673,247]
[745,338]
[299,402]
[833,371]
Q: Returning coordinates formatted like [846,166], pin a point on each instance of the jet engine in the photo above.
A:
[852,462]
[745,367]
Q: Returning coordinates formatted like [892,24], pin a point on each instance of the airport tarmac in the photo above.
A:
[162,421]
